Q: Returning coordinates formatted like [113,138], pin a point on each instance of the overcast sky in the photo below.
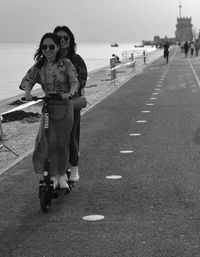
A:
[94,20]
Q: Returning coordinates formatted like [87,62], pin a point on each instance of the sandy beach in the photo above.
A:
[20,135]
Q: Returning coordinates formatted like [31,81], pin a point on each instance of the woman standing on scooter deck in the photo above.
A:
[68,50]
[55,75]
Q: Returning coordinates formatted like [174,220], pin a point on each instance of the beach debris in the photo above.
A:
[17,102]
[94,85]
[20,115]
[106,79]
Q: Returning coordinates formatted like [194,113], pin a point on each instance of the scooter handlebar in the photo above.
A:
[51,96]
[34,98]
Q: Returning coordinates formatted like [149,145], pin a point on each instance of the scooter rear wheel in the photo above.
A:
[45,201]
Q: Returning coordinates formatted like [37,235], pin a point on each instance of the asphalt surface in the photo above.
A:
[153,210]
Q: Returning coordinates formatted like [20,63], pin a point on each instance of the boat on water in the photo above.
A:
[114,45]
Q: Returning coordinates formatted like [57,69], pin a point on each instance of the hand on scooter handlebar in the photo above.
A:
[29,98]
[66,96]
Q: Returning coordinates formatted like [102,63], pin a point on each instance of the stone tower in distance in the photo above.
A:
[183,28]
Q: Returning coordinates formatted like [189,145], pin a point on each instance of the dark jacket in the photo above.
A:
[81,69]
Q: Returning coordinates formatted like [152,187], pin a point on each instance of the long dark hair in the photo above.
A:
[39,57]
[72,43]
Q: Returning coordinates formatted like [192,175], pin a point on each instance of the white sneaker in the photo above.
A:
[55,182]
[74,174]
[63,182]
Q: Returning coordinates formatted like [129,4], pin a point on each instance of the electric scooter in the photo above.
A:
[46,189]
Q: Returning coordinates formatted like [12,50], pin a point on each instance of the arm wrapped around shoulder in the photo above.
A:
[72,76]
[79,102]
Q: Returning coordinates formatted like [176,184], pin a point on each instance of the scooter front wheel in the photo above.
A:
[45,201]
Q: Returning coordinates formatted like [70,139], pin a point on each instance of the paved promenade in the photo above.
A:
[147,134]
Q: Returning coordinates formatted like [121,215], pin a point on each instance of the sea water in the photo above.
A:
[16,59]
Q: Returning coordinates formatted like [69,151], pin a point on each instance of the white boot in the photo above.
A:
[63,181]
[55,182]
[74,174]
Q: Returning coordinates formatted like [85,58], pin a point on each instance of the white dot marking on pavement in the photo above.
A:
[93,217]
[146,111]
[141,121]
[149,104]
[153,98]
[157,89]
[114,177]
[155,93]
[135,134]
[126,151]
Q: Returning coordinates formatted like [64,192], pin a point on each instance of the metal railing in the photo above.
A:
[135,54]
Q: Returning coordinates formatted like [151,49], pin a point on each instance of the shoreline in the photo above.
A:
[20,135]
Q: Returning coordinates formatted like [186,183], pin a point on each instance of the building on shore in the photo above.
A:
[161,41]
[183,32]
[158,41]
[184,29]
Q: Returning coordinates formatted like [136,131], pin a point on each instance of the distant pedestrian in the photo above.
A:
[186,48]
[182,46]
[192,46]
[166,51]
[117,60]
[197,46]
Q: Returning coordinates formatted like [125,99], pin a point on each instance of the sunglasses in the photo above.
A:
[64,37]
[51,47]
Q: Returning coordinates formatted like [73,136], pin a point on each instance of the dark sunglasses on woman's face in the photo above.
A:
[64,37]
[51,47]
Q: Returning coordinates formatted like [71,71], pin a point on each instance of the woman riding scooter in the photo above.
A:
[55,75]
